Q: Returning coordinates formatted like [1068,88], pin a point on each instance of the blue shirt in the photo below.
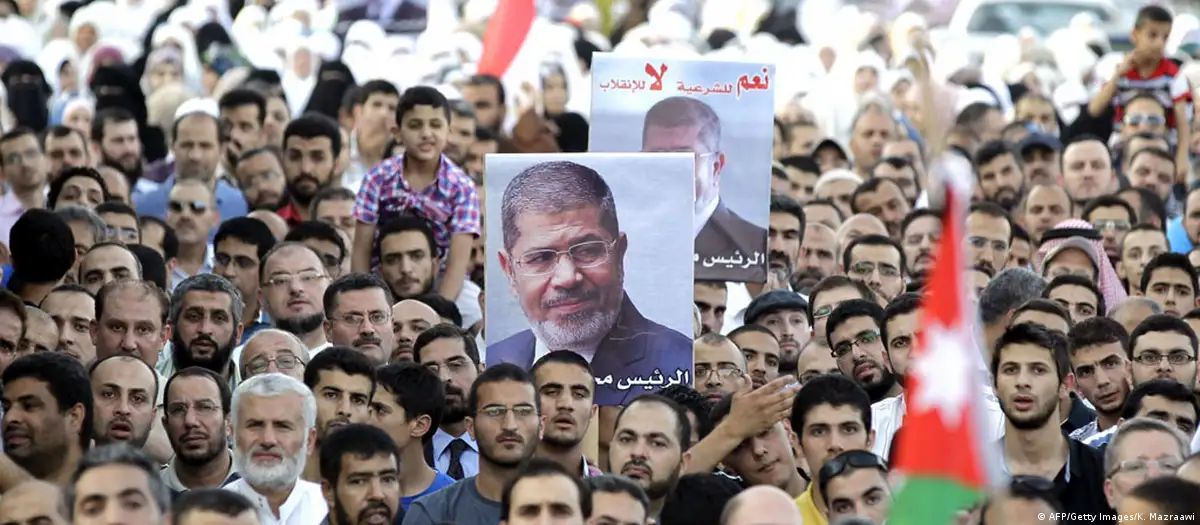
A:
[1177,237]
[440,481]
[230,202]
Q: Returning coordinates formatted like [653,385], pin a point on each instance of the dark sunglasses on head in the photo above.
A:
[853,459]
[1030,485]
[197,207]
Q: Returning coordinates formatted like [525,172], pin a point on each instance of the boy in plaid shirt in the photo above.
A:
[420,182]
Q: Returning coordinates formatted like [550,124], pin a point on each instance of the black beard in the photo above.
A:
[219,362]
[1036,422]
[301,326]
[878,391]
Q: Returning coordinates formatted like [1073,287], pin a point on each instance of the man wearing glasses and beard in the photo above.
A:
[578,302]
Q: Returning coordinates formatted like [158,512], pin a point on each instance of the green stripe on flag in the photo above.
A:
[931,501]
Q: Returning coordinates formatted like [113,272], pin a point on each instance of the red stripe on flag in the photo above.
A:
[505,34]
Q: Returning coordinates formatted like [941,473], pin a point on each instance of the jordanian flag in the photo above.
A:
[940,455]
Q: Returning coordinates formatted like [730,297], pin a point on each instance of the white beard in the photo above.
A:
[583,332]
[272,476]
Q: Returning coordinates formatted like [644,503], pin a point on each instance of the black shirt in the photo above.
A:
[1079,486]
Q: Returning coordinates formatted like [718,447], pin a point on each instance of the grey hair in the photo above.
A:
[274,385]
[304,356]
[1142,424]
[120,454]
[72,213]
[1008,290]
[206,282]
[1153,305]
[675,112]
[872,105]
[555,187]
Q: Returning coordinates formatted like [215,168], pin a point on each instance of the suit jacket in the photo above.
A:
[635,349]
[726,235]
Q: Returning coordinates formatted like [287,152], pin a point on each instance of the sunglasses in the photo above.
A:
[850,460]
[197,207]
[1030,485]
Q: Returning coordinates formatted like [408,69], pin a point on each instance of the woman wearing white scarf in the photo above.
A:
[182,39]
[59,64]
[300,74]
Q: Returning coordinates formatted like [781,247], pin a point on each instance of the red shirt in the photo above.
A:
[1165,83]
[290,215]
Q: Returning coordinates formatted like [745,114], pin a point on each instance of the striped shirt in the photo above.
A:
[1165,84]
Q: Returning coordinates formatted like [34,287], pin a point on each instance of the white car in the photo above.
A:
[989,18]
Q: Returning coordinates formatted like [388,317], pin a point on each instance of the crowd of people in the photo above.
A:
[245,266]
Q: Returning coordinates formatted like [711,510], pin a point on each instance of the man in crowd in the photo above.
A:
[360,476]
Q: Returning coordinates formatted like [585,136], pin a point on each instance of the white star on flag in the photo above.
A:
[945,374]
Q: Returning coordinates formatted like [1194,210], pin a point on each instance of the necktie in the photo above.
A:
[456,451]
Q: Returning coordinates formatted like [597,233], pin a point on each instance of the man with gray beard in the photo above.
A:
[578,302]
[274,426]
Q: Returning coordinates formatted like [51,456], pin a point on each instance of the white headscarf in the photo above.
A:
[53,56]
[192,70]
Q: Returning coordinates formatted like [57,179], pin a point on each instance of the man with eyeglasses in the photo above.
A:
[195,414]
[1163,347]
[273,351]
[505,420]
[685,124]
[719,366]
[878,262]
[1141,449]
[1113,218]
[1161,399]
[827,295]
[238,246]
[571,284]
[293,280]
[120,222]
[358,314]
[855,484]
[853,332]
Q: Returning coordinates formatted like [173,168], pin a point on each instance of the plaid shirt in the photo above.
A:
[450,204]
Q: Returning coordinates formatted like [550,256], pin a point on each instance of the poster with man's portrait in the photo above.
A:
[586,253]
[722,113]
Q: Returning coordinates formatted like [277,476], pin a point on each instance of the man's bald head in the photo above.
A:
[859,225]
[33,501]
[761,505]
[274,222]
[410,317]
[414,309]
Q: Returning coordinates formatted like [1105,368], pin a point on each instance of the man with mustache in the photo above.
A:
[311,145]
[882,199]
[556,209]
[818,257]
[544,490]
[763,356]
[1039,155]
[343,382]
[451,353]
[878,262]
[1099,350]
[358,315]
[648,444]
[566,388]
[259,173]
[999,173]
[719,366]
[783,313]
[242,114]
[410,317]
[360,477]
[73,309]
[206,325]
[272,351]
[853,332]
[115,136]
[988,236]
[48,442]
[274,427]
[125,390]
[686,124]
[238,248]
[506,422]
[196,417]
[919,234]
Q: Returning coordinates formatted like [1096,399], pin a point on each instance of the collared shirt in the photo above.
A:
[170,477]
[450,204]
[10,210]
[887,416]
[1087,431]
[1079,485]
[809,513]
[290,215]
[540,350]
[178,275]
[1099,439]
[441,453]
[468,303]
[304,506]
[259,323]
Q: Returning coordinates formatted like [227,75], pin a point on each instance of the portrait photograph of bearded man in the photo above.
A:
[590,263]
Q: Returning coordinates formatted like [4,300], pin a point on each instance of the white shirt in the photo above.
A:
[737,300]
[887,416]
[1196,442]
[468,304]
[304,506]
